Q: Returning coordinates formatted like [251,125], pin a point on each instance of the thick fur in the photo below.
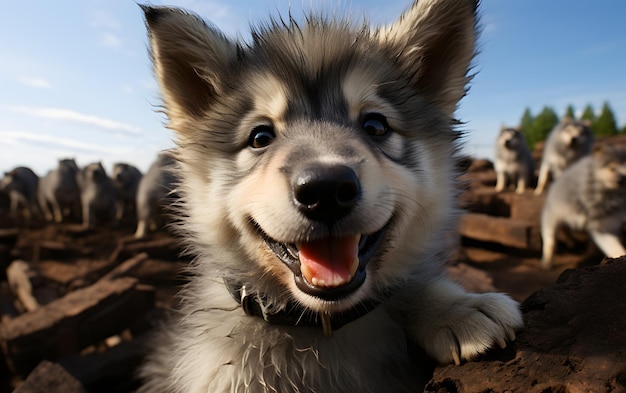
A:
[569,141]
[589,196]
[514,164]
[309,91]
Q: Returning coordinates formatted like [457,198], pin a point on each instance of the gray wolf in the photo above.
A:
[126,178]
[589,196]
[21,183]
[97,195]
[513,164]
[567,142]
[318,189]
[59,195]
[154,194]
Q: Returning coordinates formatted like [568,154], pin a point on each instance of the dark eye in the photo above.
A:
[261,136]
[375,125]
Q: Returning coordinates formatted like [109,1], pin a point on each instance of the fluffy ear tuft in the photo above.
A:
[434,41]
[188,56]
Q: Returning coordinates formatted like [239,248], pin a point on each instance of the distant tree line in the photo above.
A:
[537,128]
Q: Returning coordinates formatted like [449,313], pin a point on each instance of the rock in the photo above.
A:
[502,230]
[527,206]
[574,341]
[110,371]
[487,201]
[471,279]
[51,378]
[73,322]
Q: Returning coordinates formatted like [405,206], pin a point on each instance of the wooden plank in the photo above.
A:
[69,324]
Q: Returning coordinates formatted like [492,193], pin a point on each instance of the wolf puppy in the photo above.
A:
[514,163]
[568,141]
[589,196]
[318,191]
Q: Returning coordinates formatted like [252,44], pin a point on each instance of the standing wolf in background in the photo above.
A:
[589,196]
[154,194]
[318,191]
[58,193]
[21,184]
[97,195]
[126,180]
[568,142]
[514,164]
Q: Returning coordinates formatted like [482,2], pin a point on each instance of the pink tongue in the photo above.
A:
[329,262]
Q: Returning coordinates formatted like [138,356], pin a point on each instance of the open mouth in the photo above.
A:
[329,268]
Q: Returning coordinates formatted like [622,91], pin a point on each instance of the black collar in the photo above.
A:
[294,314]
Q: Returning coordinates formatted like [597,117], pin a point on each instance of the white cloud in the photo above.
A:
[73,116]
[18,137]
[37,82]
[110,40]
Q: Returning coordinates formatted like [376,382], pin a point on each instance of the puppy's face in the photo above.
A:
[321,204]
[317,160]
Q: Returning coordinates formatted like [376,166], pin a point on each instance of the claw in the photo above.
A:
[501,342]
[511,334]
[455,356]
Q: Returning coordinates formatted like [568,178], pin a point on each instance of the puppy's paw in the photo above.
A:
[470,325]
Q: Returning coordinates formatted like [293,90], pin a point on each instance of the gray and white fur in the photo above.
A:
[589,196]
[314,137]
[568,141]
[514,164]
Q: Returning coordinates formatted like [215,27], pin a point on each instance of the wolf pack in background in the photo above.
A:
[68,193]
[317,184]
[583,196]
[589,196]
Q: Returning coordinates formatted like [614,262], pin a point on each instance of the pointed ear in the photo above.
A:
[434,41]
[188,56]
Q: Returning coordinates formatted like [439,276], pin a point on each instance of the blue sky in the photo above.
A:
[76,79]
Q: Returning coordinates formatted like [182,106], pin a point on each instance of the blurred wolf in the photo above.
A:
[514,164]
[590,196]
[568,142]
[318,186]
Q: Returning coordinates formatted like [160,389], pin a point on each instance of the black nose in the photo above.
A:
[326,193]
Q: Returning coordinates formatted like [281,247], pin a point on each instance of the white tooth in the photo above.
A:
[314,281]
[354,266]
[338,281]
[306,271]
